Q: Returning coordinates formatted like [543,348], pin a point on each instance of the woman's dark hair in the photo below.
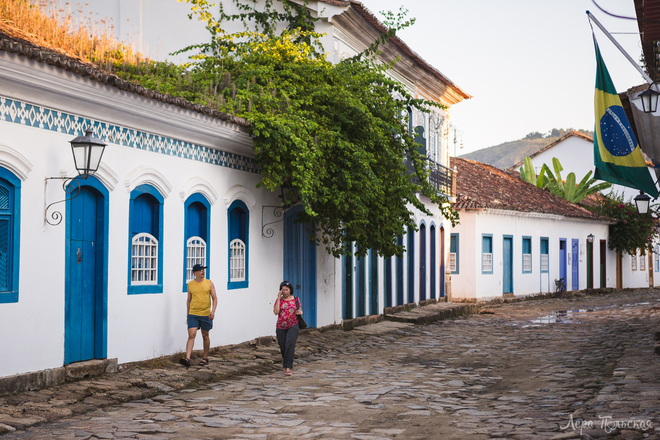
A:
[287,284]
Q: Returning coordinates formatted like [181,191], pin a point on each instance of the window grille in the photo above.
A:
[545,262]
[527,262]
[144,259]
[634,262]
[487,262]
[195,254]
[642,261]
[452,261]
[236,260]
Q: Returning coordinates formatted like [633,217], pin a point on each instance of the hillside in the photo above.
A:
[509,153]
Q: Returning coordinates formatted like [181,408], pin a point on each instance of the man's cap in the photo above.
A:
[198,267]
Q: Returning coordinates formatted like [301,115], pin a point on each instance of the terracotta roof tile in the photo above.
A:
[479,185]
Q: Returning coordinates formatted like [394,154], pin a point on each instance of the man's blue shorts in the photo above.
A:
[204,322]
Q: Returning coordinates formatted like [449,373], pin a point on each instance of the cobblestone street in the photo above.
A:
[582,367]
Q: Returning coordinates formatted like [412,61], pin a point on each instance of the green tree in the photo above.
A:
[330,137]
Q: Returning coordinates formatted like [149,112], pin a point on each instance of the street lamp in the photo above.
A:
[649,99]
[87,151]
[642,201]
[590,238]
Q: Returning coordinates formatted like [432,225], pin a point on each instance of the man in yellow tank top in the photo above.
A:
[199,313]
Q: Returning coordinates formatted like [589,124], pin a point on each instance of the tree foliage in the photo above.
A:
[632,230]
[331,137]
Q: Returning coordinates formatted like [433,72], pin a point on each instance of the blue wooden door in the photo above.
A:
[443,268]
[575,264]
[85,318]
[399,276]
[432,263]
[300,263]
[361,285]
[507,265]
[562,258]
[422,262]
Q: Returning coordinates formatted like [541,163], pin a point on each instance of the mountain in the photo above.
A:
[507,154]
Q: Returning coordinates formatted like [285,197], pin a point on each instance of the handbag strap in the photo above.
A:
[297,302]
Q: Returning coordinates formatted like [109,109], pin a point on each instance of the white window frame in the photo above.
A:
[452,261]
[487,262]
[545,262]
[633,259]
[236,260]
[527,262]
[195,254]
[144,262]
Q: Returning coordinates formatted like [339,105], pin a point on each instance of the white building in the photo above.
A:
[575,153]
[176,185]
[516,239]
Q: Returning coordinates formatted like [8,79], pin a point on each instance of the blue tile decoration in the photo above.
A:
[31,115]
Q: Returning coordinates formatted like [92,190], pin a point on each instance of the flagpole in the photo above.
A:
[644,74]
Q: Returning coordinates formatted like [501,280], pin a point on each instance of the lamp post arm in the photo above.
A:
[71,186]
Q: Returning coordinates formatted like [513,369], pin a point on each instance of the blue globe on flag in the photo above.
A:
[617,135]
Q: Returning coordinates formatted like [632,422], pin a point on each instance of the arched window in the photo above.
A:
[145,246]
[10,192]
[237,260]
[144,256]
[239,221]
[197,225]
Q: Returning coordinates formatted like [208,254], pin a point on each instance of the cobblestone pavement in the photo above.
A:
[582,367]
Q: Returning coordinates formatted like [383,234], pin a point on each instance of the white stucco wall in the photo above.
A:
[139,326]
[471,283]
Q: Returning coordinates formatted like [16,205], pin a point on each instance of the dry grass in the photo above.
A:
[41,22]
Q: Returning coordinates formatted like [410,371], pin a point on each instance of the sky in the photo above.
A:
[529,65]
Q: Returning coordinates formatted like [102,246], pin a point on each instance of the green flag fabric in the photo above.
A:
[617,155]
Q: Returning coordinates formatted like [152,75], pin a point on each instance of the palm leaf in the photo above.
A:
[569,188]
[558,169]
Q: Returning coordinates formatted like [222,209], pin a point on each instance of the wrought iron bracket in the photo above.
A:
[71,187]
[266,230]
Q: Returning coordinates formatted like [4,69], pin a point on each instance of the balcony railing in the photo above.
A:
[440,177]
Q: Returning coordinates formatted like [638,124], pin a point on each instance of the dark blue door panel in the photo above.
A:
[300,263]
[84,318]
[575,264]
[507,265]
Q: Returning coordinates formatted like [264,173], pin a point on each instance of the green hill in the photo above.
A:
[509,153]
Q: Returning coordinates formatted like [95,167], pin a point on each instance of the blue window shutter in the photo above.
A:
[5,257]
[238,218]
[527,244]
[487,245]
[144,218]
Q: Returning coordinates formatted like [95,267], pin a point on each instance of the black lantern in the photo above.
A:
[649,99]
[642,201]
[590,238]
[87,152]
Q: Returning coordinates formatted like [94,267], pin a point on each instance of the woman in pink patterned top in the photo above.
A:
[286,330]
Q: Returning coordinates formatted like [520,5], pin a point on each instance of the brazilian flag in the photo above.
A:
[617,156]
